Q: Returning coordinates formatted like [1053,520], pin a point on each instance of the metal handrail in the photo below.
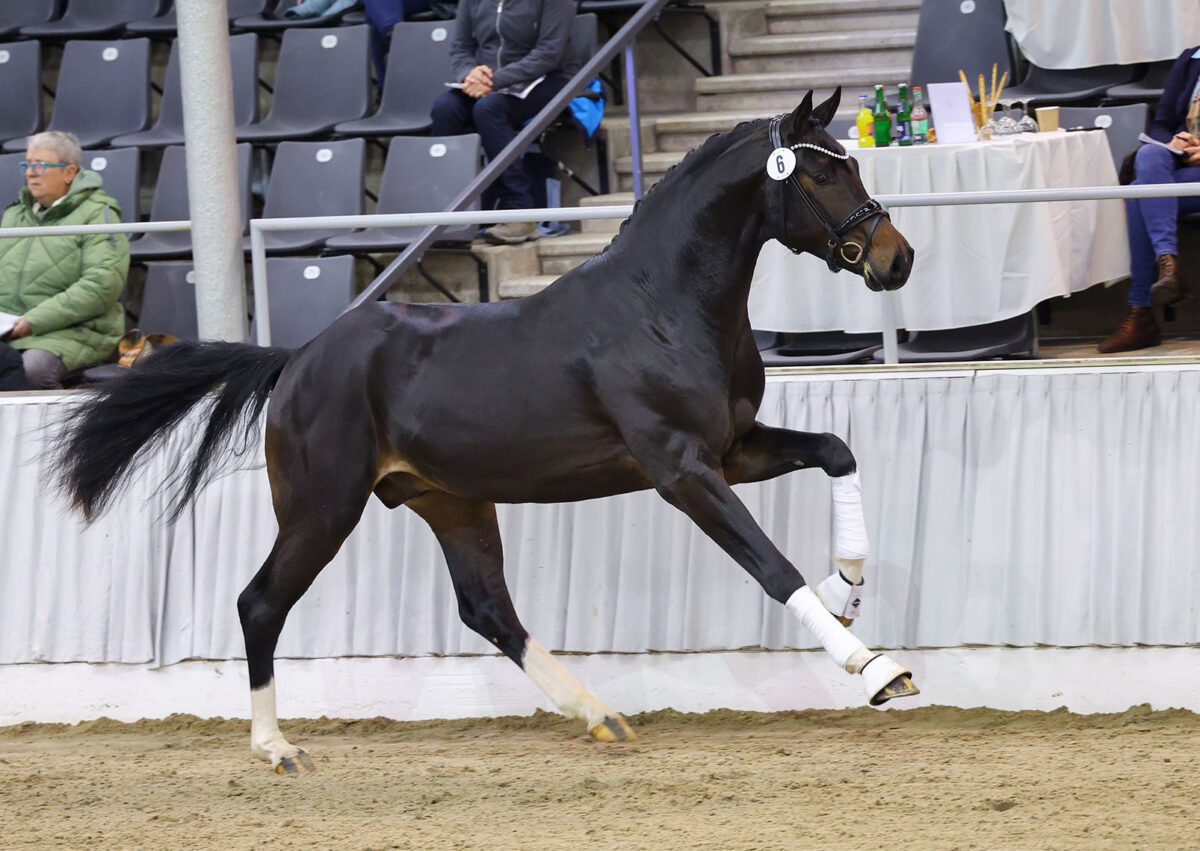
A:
[515,148]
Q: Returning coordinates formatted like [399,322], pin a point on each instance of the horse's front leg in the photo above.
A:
[764,453]
[694,482]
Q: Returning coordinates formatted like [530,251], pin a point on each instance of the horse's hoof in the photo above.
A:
[886,680]
[297,764]
[614,728]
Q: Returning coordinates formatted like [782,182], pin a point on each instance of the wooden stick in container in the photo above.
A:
[994,82]
[1003,80]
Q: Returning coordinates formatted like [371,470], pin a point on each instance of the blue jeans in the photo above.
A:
[1151,221]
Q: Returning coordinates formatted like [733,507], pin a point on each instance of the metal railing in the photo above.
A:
[258,227]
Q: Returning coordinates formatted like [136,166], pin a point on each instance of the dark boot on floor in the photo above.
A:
[1168,289]
[1138,331]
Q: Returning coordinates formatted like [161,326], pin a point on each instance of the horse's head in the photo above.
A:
[821,205]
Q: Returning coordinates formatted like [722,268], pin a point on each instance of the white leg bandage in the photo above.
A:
[850,653]
[568,694]
[849,526]
[265,739]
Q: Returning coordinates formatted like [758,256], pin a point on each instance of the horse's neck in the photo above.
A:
[696,244]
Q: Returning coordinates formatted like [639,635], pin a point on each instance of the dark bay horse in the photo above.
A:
[636,370]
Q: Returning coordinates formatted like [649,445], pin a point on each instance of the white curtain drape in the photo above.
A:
[1005,507]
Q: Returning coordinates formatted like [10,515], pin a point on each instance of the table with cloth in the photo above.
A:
[1083,33]
[974,264]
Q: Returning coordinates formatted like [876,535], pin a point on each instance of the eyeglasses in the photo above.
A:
[39,167]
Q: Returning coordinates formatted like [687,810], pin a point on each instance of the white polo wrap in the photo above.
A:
[838,641]
[849,526]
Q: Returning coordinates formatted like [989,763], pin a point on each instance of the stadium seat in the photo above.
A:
[1008,337]
[168,129]
[21,82]
[422,173]
[418,69]
[85,103]
[120,170]
[305,295]
[93,18]
[171,204]
[954,36]
[1050,87]
[1122,124]
[816,348]
[169,301]
[166,24]
[273,19]
[321,80]
[15,14]
[12,178]
[313,179]
[1148,88]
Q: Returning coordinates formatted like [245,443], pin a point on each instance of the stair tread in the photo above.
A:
[782,8]
[573,243]
[772,80]
[613,199]
[863,40]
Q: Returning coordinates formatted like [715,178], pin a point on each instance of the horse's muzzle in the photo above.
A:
[888,268]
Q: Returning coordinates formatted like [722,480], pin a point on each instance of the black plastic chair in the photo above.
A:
[1121,123]
[21,82]
[171,204]
[305,295]
[422,174]
[272,19]
[166,24]
[1015,337]
[816,348]
[169,301]
[320,81]
[950,39]
[15,14]
[93,19]
[312,179]
[419,66]
[12,178]
[1050,87]
[168,128]
[103,91]
[1146,89]
[120,170]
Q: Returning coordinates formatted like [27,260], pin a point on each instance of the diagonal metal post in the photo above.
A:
[515,148]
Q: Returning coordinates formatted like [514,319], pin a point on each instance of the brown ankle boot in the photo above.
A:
[1138,331]
[1168,289]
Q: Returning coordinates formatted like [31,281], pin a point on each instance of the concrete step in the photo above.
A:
[822,51]
[606,226]
[690,130]
[563,253]
[812,16]
[654,166]
[521,287]
[779,91]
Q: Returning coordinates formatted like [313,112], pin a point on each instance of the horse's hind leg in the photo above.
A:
[765,453]
[470,539]
[317,505]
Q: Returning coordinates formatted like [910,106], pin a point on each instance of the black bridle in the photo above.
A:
[836,246]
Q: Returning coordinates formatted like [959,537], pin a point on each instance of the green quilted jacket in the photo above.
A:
[67,287]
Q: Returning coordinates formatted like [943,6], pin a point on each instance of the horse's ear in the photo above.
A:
[825,112]
[794,123]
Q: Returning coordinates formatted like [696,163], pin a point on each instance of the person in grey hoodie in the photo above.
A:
[510,59]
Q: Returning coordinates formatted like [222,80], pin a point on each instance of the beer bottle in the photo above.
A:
[882,120]
[904,118]
[920,118]
[866,124]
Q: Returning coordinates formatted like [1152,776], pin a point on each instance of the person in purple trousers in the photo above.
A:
[1153,246]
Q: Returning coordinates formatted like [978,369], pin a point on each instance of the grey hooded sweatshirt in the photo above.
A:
[520,40]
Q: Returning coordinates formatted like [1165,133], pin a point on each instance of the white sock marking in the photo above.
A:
[265,739]
[568,694]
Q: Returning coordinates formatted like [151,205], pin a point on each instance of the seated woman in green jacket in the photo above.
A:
[64,289]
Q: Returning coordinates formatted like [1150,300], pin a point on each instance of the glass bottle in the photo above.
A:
[866,124]
[882,120]
[904,118]
[920,118]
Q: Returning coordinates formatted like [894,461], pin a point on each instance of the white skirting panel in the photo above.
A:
[1083,679]
[1008,507]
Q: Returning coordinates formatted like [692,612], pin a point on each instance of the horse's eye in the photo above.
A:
[821,179]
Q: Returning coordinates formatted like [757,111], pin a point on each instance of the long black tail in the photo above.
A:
[103,441]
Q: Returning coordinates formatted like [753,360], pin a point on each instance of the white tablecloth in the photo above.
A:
[974,264]
[1083,33]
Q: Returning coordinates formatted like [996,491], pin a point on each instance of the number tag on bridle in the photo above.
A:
[781,163]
